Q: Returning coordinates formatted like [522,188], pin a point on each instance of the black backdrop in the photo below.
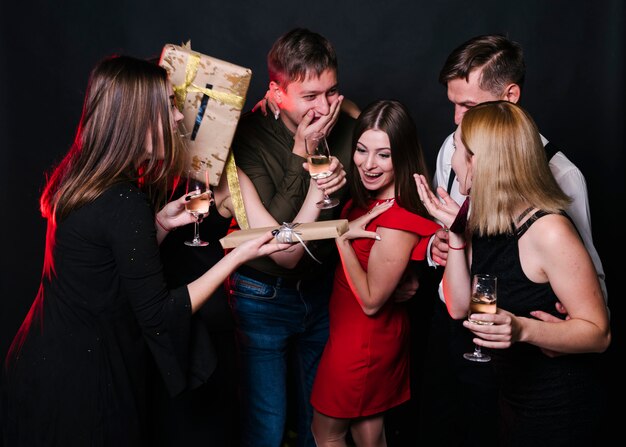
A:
[394,49]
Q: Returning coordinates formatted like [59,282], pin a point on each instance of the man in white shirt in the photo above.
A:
[459,393]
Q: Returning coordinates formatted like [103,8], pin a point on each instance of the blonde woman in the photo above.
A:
[517,230]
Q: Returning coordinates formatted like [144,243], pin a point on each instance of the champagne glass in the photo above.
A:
[197,187]
[483,300]
[318,157]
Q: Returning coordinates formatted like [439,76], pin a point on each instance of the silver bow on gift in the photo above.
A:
[287,234]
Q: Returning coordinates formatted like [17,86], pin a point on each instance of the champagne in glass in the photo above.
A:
[319,166]
[197,187]
[318,157]
[483,300]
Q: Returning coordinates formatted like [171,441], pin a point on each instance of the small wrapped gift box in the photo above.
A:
[289,232]
[210,94]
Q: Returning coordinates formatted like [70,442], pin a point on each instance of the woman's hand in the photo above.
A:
[174,215]
[501,334]
[357,226]
[267,103]
[263,245]
[446,211]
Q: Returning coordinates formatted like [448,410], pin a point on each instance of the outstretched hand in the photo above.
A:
[263,245]
[357,226]
[444,210]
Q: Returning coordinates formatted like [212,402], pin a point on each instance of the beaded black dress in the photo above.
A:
[76,372]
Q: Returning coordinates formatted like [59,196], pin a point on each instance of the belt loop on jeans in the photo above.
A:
[272,280]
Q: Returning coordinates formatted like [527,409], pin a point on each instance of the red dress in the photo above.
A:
[364,369]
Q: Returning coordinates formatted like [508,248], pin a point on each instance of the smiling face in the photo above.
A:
[372,157]
[312,93]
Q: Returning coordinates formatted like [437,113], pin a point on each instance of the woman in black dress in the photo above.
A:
[75,374]
[550,390]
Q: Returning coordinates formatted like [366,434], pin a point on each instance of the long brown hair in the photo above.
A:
[407,156]
[127,99]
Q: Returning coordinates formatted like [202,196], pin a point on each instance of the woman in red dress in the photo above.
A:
[364,369]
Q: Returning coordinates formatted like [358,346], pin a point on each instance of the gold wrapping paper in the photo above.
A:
[210,94]
[311,231]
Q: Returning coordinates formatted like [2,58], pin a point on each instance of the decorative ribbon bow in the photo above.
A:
[287,233]
[189,87]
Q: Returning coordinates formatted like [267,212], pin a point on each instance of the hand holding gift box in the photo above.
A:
[310,231]
[211,94]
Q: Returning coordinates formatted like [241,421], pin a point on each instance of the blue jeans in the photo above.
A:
[273,324]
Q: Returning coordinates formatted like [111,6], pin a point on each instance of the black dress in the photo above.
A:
[543,401]
[206,415]
[103,307]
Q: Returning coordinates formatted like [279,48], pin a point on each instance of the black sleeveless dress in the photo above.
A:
[543,401]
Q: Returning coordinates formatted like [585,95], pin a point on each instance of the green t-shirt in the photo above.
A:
[262,148]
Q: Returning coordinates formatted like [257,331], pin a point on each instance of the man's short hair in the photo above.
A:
[298,53]
[500,59]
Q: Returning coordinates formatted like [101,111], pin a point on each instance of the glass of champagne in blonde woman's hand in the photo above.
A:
[482,301]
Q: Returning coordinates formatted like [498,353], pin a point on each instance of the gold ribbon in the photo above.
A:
[188,86]
[235,192]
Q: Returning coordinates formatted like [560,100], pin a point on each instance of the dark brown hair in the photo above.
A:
[407,156]
[298,53]
[500,59]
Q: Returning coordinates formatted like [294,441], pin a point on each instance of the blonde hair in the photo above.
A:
[510,167]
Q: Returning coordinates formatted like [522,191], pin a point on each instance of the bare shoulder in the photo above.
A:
[395,241]
[553,233]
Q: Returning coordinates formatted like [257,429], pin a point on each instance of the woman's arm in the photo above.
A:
[551,251]
[202,288]
[456,276]
[387,262]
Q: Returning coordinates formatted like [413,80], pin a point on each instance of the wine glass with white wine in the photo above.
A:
[197,187]
[483,301]
[318,158]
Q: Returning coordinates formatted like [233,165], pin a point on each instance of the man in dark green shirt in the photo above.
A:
[282,314]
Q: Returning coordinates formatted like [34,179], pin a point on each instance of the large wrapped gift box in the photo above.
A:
[211,94]
[311,231]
